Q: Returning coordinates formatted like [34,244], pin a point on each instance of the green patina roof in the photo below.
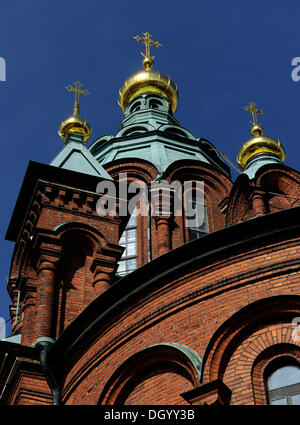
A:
[156,136]
[76,157]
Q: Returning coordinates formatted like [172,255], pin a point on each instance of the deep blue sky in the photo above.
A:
[220,53]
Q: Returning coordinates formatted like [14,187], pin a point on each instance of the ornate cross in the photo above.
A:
[254,111]
[78,89]
[148,42]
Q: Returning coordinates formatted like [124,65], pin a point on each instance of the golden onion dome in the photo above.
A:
[75,124]
[148,81]
[259,144]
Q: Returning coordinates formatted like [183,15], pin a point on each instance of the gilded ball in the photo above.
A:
[257,130]
[147,63]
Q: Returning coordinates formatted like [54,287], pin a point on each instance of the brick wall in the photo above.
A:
[191,310]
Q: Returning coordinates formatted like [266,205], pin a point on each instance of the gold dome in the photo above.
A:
[259,144]
[148,81]
[75,124]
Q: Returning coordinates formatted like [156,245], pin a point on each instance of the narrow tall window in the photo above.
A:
[284,386]
[128,261]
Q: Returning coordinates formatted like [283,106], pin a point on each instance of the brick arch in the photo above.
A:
[136,169]
[256,316]
[93,238]
[217,187]
[244,373]
[287,350]
[238,202]
[177,363]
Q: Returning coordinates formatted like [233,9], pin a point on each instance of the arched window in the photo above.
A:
[155,104]
[283,385]
[128,261]
[132,258]
[135,107]
[134,130]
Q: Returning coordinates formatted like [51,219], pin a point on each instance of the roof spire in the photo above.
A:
[148,60]
[75,124]
[257,129]
[77,89]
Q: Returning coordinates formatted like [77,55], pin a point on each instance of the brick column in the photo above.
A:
[101,282]
[162,209]
[28,319]
[258,203]
[104,266]
[45,299]
[163,234]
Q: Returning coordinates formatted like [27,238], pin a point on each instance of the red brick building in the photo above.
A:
[144,309]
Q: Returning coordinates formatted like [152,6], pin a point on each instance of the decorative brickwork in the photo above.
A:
[274,188]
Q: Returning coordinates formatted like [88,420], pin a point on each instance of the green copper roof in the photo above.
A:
[258,161]
[150,132]
[75,157]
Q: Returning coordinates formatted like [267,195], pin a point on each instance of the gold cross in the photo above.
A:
[78,89]
[254,111]
[148,42]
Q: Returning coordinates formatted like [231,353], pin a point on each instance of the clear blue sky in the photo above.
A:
[221,54]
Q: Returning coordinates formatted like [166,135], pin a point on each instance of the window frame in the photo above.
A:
[285,391]
[126,258]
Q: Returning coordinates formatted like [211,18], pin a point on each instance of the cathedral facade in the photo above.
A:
[141,308]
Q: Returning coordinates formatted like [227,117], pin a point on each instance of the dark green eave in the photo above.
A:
[37,171]
[159,148]
[241,237]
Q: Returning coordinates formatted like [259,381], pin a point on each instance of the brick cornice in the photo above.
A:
[57,176]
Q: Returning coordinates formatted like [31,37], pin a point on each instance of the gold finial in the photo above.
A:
[75,123]
[78,90]
[257,129]
[148,60]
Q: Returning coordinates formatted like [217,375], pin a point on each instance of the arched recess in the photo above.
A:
[259,315]
[80,244]
[177,131]
[96,238]
[134,129]
[135,168]
[282,186]
[178,364]
[238,202]
[217,187]
[98,144]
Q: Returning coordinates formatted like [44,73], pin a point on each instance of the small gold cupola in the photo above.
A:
[148,81]
[259,143]
[75,124]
